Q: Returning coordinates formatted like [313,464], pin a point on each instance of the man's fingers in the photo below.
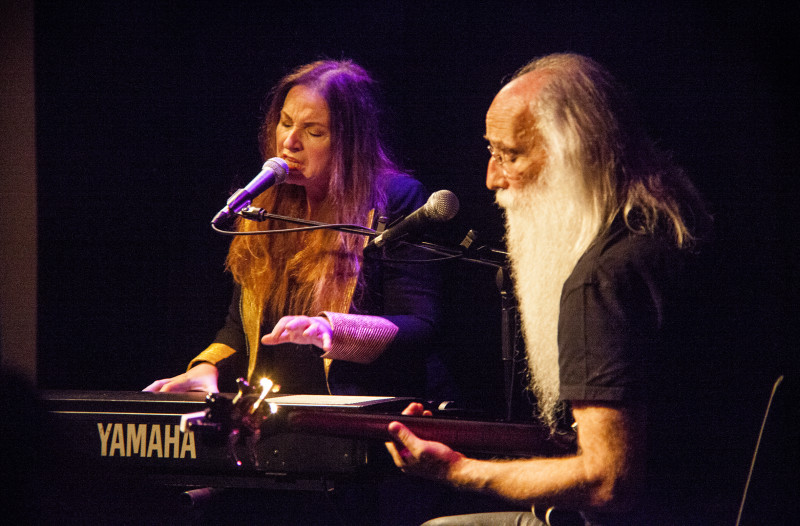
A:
[395,427]
[395,453]
[414,408]
[402,435]
[399,448]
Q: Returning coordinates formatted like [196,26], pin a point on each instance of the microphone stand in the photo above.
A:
[509,328]
[508,307]
[484,255]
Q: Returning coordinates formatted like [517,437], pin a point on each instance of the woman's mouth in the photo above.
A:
[293,163]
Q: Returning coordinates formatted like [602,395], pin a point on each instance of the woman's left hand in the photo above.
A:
[304,330]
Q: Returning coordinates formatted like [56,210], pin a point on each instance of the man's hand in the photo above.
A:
[201,377]
[302,330]
[604,474]
[423,458]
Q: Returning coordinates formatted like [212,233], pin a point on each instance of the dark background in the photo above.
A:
[148,111]
[147,116]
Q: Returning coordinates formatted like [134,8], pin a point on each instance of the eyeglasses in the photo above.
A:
[497,155]
[501,158]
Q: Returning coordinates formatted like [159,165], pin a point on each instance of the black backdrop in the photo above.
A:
[147,114]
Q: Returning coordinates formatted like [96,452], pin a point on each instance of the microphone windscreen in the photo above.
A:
[280,168]
[442,206]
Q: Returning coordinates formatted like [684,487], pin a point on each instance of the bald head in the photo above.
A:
[512,133]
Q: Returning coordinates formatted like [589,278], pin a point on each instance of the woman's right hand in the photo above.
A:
[201,377]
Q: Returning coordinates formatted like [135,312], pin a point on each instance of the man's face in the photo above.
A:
[518,151]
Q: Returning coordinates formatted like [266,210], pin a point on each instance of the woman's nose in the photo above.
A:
[291,141]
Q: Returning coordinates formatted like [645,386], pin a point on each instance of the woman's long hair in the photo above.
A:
[307,272]
[589,121]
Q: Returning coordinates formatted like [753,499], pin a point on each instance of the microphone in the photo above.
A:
[441,206]
[273,172]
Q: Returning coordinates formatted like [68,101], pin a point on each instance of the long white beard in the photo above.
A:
[549,225]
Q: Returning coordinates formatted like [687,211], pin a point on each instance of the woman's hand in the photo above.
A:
[201,377]
[303,330]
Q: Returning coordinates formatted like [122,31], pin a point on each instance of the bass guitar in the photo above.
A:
[252,413]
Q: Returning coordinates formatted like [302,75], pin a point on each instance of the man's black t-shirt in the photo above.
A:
[632,330]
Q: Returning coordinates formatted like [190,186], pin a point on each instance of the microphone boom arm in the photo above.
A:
[259,214]
[485,255]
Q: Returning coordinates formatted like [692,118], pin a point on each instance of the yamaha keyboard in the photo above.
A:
[140,432]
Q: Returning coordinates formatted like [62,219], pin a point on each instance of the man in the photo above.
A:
[602,232]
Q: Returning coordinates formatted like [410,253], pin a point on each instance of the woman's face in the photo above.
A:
[303,138]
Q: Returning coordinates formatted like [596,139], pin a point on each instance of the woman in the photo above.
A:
[372,319]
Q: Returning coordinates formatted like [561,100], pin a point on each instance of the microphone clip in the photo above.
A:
[253,214]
